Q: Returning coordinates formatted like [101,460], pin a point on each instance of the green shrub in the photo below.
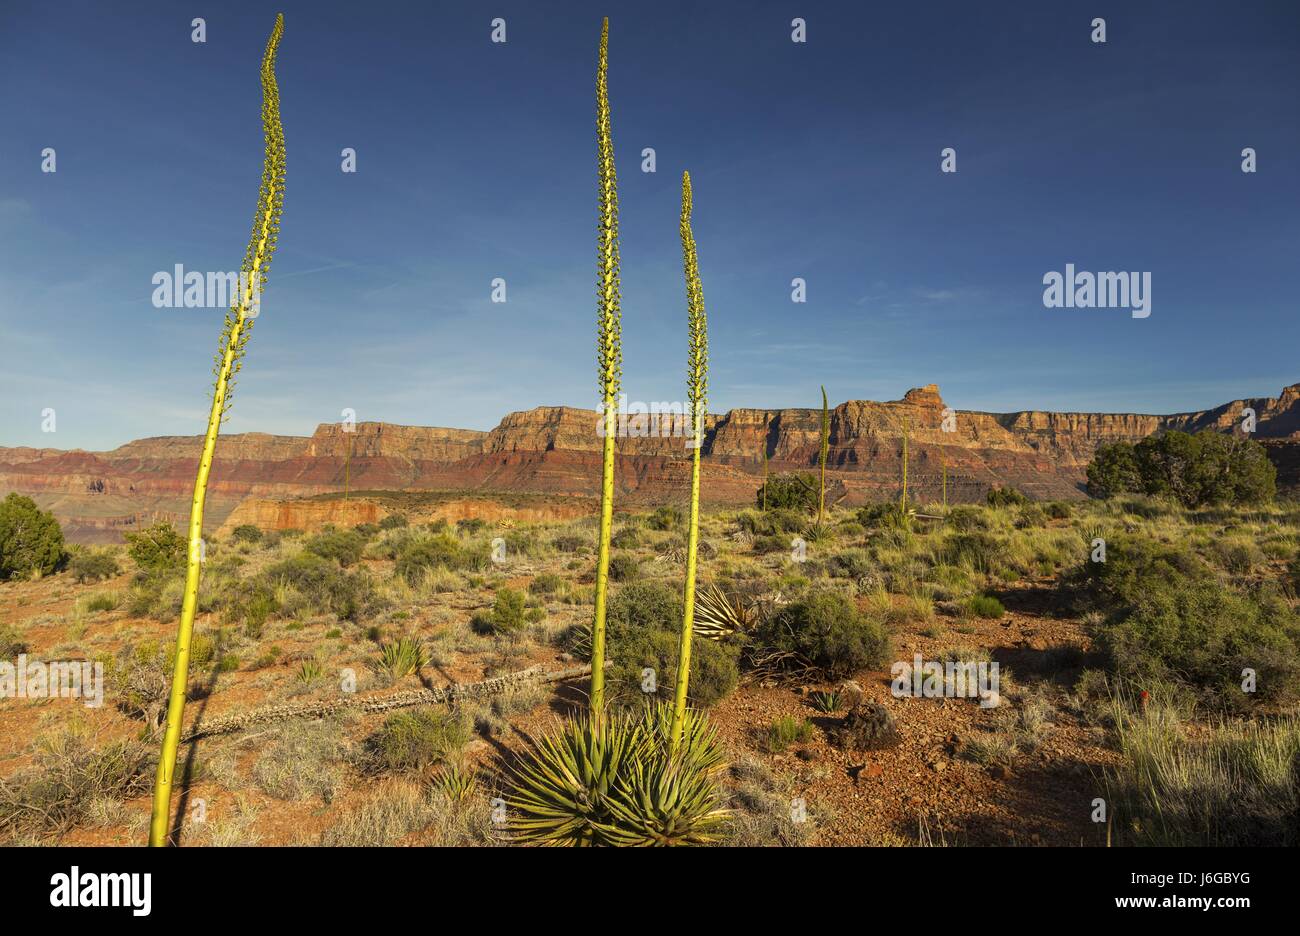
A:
[246,533]
[968,518]
[826,631]
[1204,634]
[1058,510]
[471,526]
[343,546]
[93,565]
[507,616]
[422,554]
[644,627]
[626,538]
[851,564]
[1195,470]
[393,521]
[887,515]
[985,606]
[775,520]
[1237,555]
[1005,496]
[667,517]
[571,543]
[350,596]
[417,739]
[157,548]
[978,551]
[798,491]
[548,583]
[624,568]
[31,543]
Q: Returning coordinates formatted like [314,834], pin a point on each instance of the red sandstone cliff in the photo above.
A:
[556,450]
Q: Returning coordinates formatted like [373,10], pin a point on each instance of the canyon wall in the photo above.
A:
[556,451]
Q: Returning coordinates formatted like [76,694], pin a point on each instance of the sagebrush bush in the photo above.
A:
[624,568]
[1005,497]
[393,521]
[31,542]
[827,631]
[548,583]
[426,553]
[349,595]
[1204,634]
[644,622]
[626,538]
[246,533]
[67,775]
[667,517]
[343,546]
[93,565]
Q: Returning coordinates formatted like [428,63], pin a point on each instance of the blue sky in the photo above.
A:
[477,160]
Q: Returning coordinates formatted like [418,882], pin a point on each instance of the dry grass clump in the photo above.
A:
[68,776]
[304,759]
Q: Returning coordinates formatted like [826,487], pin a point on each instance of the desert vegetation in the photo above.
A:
[1162,680]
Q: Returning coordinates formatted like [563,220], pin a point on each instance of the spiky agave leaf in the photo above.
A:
[672,796]
[719,615]
[560,789]
[699,741]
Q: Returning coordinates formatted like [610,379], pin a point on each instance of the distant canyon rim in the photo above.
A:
[546,462]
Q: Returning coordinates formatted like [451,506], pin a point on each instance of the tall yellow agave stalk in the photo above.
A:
[697,390]
[609,354]
[230,351]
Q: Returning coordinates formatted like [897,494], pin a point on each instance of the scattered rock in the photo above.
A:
[806,754]
[850,693]
[867,727]
[1000,772]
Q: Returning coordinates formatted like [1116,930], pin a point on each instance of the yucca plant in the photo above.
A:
[823,452]
[402,657]
[697,389]
[609,353]
[826,701]
[310,673]
[560,789]
[672,795]
[456,783]
[719,615]
[230,352]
